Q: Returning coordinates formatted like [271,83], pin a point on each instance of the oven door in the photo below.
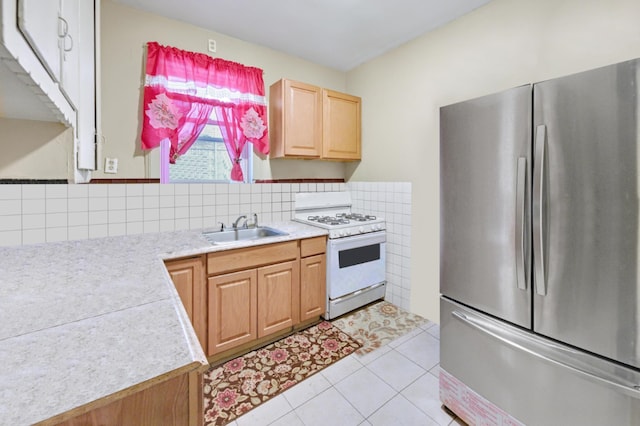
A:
[356,262]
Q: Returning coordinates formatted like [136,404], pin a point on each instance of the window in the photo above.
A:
[208,161]
[217,105]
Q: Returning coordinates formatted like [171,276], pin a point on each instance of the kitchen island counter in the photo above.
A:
[83,320]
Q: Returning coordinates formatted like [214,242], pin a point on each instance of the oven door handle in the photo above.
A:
[358,240]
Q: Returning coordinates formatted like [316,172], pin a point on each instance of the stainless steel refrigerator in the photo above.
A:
[539,249]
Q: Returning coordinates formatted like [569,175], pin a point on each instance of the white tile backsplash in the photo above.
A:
[29,192]
[56,191]
[392,201]
[33,206]
[10,207]
[115,190]
[31,214]
[10,238]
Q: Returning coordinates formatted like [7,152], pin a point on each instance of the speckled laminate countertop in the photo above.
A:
[80,320]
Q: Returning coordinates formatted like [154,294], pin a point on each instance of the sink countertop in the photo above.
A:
[80,320]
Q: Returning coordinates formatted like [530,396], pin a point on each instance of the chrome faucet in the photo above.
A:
[255,220]
[235,224]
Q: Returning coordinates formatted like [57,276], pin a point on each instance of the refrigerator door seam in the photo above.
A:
[521,182]
[538,213]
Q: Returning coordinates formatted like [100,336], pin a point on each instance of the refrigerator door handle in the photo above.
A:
[553,353]
[538,213]
[521,188]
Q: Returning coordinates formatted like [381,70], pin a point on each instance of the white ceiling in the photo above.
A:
[340,34]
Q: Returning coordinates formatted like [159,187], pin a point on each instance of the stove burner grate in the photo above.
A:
[359,217]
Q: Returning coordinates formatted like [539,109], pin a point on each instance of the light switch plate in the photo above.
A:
[111,165]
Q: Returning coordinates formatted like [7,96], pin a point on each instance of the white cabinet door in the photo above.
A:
[87,124]
[38,22]
[70,44]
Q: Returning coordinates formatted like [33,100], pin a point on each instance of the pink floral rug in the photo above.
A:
[243,383]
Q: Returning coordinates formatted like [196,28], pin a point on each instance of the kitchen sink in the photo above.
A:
[241,234]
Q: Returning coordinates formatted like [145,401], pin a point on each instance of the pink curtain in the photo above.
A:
[183,89]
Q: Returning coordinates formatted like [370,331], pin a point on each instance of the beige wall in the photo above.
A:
[35,150]
[125,32]
[503,44]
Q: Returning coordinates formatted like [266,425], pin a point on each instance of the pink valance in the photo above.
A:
[185,90]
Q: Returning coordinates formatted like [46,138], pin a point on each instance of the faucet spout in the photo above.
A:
[235,224]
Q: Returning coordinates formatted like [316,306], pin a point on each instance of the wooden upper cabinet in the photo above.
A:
[309,122]
[295,112]
[341,122]
[188,276]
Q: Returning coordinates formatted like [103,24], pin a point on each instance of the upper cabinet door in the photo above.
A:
[70,45]
[303,118]
[39,23]
[295,114]
[341,126]
[87,102]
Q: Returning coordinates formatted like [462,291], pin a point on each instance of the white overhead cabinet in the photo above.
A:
[48,55]
[70,43]
[38,22]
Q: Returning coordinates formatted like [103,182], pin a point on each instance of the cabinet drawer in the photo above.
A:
[311,246]
[250,257]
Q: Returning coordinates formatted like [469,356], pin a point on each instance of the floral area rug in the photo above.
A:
[243,383]
[378,324]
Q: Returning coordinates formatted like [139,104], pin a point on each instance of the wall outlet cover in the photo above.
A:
[111,165]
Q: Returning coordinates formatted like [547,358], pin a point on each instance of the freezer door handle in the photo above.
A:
[627,381]
[538,210]
[521,188]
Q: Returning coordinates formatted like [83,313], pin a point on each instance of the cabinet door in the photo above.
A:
[70,47]
[341,126]
[313,288]
[302,119]
[39,23]
[232,310]
[278,293]
[188,277]
[87,126]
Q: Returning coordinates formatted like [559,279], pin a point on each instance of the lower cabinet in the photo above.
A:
[253,293]
[313,289]
[176,401]
[278,294]
[239,296]
[232,310]
[188,276]
[313,277]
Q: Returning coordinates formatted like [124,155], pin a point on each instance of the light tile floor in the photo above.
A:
[396,384]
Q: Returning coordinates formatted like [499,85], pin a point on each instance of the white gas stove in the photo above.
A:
[356,249]
[332,211]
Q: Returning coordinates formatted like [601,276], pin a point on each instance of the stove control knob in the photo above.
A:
[361,229]
[342,234]
[349,232]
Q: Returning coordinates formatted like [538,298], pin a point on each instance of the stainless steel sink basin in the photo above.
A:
[242,234]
